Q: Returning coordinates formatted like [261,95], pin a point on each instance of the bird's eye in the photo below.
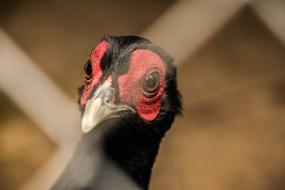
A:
[88,72]
[150,84]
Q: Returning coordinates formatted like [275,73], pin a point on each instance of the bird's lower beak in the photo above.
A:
[101,107]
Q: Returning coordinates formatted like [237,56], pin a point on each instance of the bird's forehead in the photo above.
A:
[115,58]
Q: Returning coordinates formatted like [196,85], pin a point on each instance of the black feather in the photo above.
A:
[129,142]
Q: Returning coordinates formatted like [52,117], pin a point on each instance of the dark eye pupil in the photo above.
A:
[150,84]
[88,70]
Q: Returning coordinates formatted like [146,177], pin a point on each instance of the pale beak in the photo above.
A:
[101,107]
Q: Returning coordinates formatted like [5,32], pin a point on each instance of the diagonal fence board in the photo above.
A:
[187,25]
[35,93]
[272,13]
[44,103]
[49,172]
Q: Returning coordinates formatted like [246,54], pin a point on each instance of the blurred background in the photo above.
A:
[231,72]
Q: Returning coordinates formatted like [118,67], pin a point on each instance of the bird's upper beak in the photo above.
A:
[101,106]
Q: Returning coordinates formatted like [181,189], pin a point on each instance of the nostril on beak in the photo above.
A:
[109,96]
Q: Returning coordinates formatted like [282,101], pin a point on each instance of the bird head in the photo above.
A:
[130,78]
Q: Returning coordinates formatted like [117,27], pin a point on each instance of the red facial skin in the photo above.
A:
[95,58]
[142,62]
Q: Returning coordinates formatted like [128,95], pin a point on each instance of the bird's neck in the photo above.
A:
[133,151]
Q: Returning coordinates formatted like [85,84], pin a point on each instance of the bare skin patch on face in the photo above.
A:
[94,70]
[142,86]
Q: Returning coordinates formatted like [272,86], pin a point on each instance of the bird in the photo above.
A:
[128,101]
